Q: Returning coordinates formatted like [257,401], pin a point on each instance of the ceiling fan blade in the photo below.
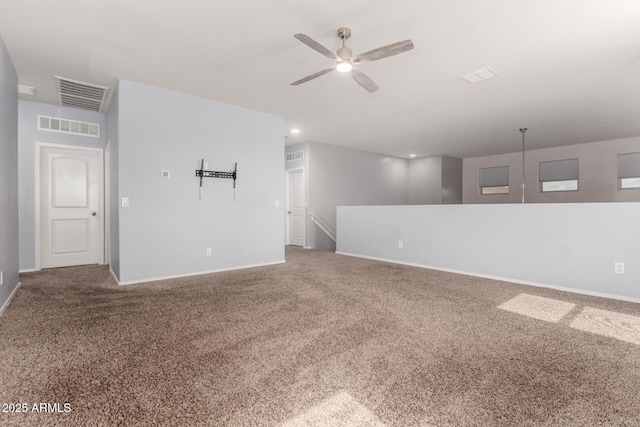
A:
[315,45]
[384,52]
[312,76]
[363,80]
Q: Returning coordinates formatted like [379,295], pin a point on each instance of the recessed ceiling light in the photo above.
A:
[412,155]
[479,75]
[26,90]
[295,131]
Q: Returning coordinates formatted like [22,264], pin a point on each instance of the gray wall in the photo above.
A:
[451,180]
[8,175]
[112,152]
[571,246]
[343,176]
[425,180]
[598,179]
[166,230]
[28,135]
[435,180]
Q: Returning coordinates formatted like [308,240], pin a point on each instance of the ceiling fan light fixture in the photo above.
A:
[345,60]
[344,66]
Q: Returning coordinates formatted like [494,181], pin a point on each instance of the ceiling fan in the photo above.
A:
[345,62]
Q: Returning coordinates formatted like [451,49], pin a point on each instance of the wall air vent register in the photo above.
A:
[296,155]
[56,124]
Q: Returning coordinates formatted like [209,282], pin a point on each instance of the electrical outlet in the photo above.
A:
[209,252]
[125,202]
[618,267]
[400,244]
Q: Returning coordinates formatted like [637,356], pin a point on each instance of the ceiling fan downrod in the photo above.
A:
[523,130]
[344,52]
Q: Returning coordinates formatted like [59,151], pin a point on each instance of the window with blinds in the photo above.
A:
[494,180]
[559,175]
[629,170]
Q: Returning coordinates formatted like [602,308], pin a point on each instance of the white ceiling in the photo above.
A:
[569,70]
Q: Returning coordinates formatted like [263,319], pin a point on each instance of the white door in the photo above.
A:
[295,208]
[71,207]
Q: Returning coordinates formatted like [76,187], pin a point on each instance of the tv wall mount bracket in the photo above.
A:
[217,174]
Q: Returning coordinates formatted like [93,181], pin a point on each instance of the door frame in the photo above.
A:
[288,173]
[38,212]
[106,185]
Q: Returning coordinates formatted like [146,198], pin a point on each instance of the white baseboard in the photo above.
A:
[113,275]
[200,273]
[503,279]
[28,270]
[6,303]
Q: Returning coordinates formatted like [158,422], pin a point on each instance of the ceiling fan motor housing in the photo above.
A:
[344,53]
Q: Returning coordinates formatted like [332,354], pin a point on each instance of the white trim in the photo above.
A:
[503,279]
[200,273]
[106,167]
[113,275]
[37,204]
[39,146]
[29,270]
[6,303]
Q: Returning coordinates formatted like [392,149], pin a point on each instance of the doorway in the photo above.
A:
[295,222]
[70,206]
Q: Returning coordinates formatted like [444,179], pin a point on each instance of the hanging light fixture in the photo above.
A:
[523,130]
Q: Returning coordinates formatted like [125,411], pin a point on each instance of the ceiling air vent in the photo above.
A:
[296,155]
[485,73]
[81,95]
[26,90]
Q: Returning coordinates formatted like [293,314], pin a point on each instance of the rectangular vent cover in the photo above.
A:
[296,155]
[56,124]
[485,73]
[83,95]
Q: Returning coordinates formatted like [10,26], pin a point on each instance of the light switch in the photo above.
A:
[277,203]
[125,202]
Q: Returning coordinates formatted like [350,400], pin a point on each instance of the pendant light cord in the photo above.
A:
[523,130]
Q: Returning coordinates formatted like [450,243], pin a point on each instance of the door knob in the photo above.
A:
[93,213]
[288,212]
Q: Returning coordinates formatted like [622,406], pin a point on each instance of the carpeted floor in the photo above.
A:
[321,340]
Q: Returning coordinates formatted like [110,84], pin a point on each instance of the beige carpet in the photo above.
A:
[321,340]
